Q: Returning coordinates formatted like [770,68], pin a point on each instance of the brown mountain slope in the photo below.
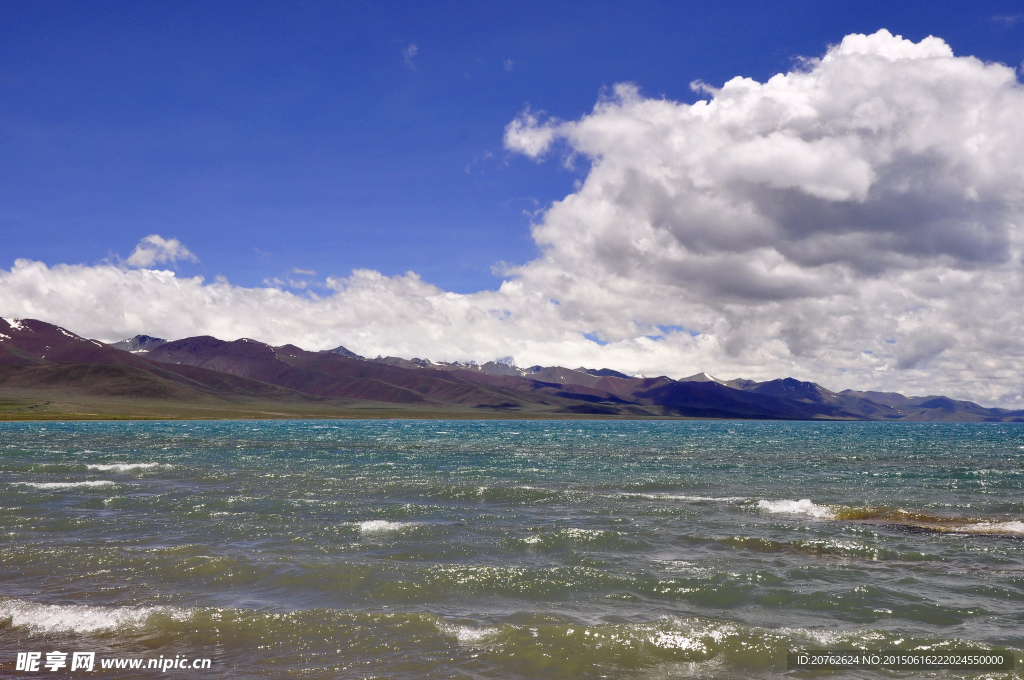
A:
[334,375]
[37,358]
[64,362]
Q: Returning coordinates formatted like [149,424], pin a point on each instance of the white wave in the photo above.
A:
[1013,527]
[466,634]
[56,618]
[803,506]
[687,499]
[122,467]
[68,485]
[381,526]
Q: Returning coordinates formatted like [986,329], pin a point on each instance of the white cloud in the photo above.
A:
[857,221]
[1008,20]
[527,135]
[154,249]
[409,55]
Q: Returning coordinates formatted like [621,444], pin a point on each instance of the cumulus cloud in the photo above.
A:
[367,311]
[527,135]
[155,249]
[873,194]
[857,221]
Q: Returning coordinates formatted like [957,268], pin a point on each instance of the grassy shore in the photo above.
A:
[42,407]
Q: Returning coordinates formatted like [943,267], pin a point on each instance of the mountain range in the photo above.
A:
[49,371]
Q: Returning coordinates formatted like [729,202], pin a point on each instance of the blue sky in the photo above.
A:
[843,202]
[274,136]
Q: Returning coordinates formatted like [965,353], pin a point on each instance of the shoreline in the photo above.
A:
[24,406]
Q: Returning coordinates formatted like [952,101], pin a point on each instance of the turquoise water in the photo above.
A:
[444,549]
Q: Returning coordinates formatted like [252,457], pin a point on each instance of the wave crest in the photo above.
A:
[54,618]
[122,467]
[68,485]
[804,506]
[897,517]
[381,526]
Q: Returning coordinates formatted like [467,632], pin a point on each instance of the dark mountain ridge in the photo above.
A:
[139,344]
[40,358]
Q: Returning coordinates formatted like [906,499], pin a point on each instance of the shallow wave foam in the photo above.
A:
[684,498]
[68,485]
[1014,528]
[897,517]
[122,467]
[382,526]
[804,506]
[55,618]
[467,635]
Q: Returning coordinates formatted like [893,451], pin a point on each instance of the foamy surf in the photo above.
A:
[1011,528]
[804,506]
[122,467]
[68,485]
[896,517]
[55,618]
[683,498]
[375,527]
[467,635]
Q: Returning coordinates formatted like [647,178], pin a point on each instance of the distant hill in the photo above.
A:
[35,355]
[329,374]
[139,344]
[45,364]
